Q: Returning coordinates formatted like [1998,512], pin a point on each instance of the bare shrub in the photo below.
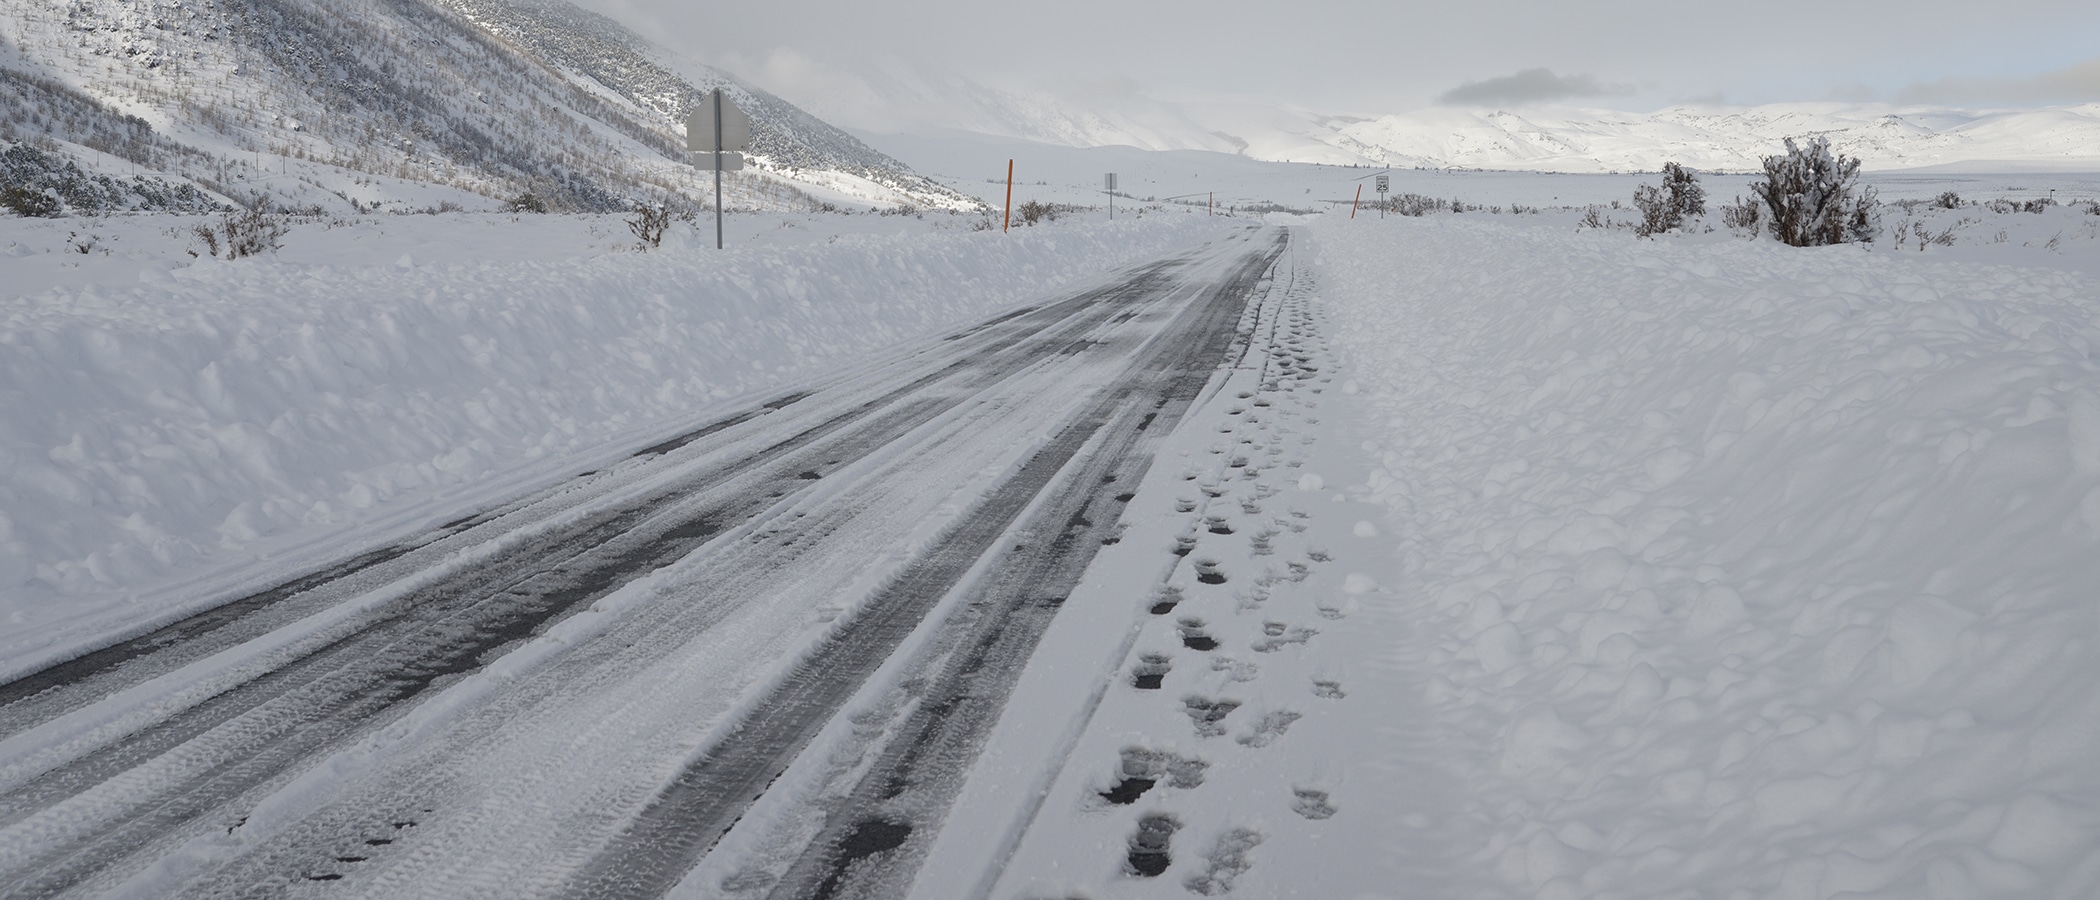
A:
[649,224]
[252,231]
[1814,196]
[1032,212]
[1667,207]
[1742,215]
[1947,200]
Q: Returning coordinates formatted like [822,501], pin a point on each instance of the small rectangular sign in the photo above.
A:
[1109,183]
[1383,183]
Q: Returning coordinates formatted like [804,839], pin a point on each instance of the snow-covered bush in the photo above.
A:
[1814,196]
[247,232]
[1947,200]
[1032,212]
[1666,208]
[252,231]
[27,201]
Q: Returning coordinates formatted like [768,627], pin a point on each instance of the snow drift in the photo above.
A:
[215,414]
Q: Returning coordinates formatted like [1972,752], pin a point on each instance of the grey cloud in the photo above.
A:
[1528,86]
[2076,84]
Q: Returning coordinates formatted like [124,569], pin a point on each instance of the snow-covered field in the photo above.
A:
[1555,562]
[1730,569]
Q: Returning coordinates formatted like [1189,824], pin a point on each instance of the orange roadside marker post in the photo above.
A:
[1008,222]
[1352,203]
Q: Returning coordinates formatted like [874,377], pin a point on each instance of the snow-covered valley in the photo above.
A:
[1508,557]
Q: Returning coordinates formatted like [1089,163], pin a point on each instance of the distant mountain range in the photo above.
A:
[900,98]
[402,103]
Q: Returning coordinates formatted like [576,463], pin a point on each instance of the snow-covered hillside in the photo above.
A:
[321,103]
[1732,139]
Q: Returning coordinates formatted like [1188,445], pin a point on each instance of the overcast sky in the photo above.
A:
[1380,57]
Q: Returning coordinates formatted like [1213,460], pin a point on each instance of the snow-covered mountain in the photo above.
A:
[899,98]
[320,103]
[1730,139]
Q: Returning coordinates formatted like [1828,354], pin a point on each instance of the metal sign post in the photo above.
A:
[1384,182]
[719,129]
[1109,184]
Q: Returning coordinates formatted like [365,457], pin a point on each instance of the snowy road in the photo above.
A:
[581,692]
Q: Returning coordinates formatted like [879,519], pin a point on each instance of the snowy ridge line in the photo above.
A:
[1075,726]
[319,413]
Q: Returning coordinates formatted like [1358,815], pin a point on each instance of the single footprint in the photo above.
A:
[1235,669]
[1227,860]
[1193,635]
[1152,668]
[1208,714]
[1149,847]
[1141,768]
[1311,803]
[1270,728]
[1276,635]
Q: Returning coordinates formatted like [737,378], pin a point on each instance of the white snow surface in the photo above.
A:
[1560,564]
[180,428]
[1730,569]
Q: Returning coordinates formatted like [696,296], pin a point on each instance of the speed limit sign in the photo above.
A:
[1384,182]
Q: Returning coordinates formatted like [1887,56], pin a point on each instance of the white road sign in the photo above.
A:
[700,128]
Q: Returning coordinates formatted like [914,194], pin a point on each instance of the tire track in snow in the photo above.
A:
[871,843]
[91,814]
